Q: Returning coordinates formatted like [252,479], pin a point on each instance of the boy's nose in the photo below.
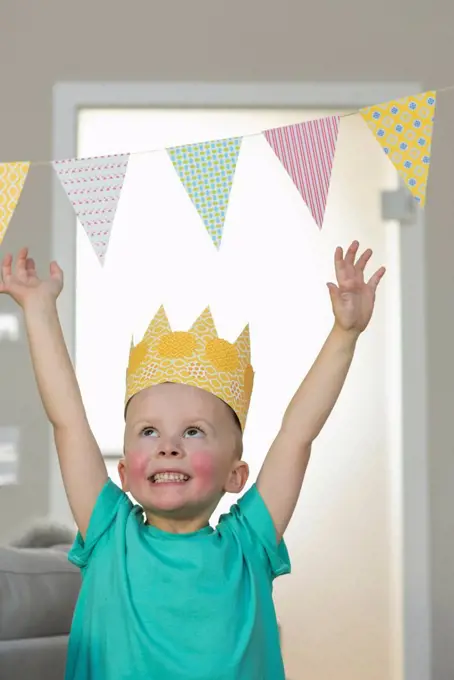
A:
[170,449]
[171,452]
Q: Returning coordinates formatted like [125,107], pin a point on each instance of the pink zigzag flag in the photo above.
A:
[306,150]
[93,186]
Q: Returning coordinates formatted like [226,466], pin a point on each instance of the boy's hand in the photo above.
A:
[82,465]
[23,284]
[282,473]
[353,299]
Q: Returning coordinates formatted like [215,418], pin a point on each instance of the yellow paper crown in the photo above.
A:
[197,357]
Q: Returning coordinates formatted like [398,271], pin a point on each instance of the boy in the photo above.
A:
[164,595]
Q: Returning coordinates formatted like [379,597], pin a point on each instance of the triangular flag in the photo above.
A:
[306,150]
[12,180]
[206,171]
[93,186]
[403,127]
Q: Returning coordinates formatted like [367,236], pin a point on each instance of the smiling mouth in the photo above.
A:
[168,478]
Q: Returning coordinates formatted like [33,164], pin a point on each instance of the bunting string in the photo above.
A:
[402,127]
[246,136]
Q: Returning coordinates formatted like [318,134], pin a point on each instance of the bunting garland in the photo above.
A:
[206,171]
[12,180]
[93,186]
[306,150]
[403,128]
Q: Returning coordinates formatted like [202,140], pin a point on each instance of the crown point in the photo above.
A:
[204,325]
[243,342]
[158,327]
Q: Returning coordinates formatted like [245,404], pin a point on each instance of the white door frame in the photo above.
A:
[69,98]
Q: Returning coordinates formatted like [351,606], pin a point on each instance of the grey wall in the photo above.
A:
[45,42]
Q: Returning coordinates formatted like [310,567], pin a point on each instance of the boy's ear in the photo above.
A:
[123,474]
[238,477]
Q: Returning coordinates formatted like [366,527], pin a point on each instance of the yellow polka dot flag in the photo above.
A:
[403,127]
[12,180]
[197,357]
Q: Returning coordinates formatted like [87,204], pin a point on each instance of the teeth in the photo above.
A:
[162,477]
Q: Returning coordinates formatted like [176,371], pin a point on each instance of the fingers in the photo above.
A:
[350,256]
[55,271]
[364,259]
[376,278]
[24,266]
[3,271]
[21,262]
[351,253]
[338,261]
[333,290]
[338,255]
[349,260]
[6,267]
[30,265]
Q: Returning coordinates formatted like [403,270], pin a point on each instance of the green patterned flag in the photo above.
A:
[206,171]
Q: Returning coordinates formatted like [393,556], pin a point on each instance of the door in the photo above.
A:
[339,609]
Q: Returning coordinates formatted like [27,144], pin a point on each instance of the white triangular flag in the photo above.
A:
[93,186]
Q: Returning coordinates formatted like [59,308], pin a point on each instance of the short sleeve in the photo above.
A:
[108,504]
[250,516]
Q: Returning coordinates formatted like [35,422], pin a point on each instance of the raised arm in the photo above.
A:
[82,465]
[282,474]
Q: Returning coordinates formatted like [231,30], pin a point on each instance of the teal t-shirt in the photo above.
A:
[161,606]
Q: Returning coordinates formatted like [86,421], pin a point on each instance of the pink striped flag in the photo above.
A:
[306,150]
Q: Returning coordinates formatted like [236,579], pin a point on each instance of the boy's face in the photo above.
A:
[182,451]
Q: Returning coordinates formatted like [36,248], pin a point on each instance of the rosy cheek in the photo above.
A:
[137,465]
[203,467]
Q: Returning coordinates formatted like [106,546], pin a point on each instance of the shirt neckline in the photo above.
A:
[155,531]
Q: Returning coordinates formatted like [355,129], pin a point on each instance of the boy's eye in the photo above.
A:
[194,432]
[149,432]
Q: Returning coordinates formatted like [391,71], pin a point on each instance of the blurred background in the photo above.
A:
[371,595]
